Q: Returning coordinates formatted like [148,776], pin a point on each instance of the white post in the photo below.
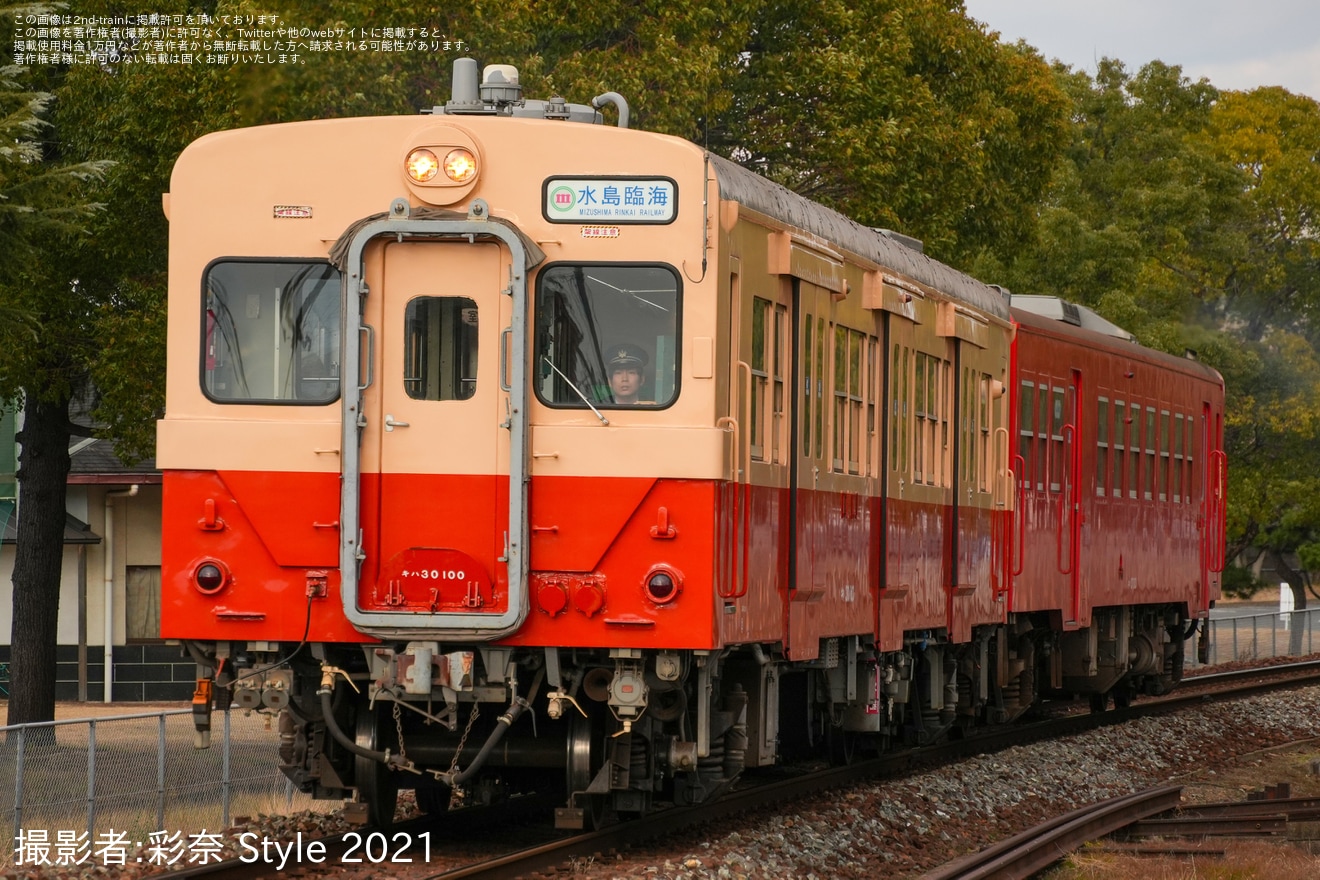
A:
[109,610]
[1286,603]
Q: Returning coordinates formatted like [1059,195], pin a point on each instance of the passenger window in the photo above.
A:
[760,375]
[270,332]
[440,348]
[607,336]
[1102,444]
[1056,436]
[1134,448]
[1120,432]
[1026,409]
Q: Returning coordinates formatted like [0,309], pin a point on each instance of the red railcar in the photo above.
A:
[413,492]
[1120,497]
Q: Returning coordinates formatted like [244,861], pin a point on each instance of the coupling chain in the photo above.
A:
[398,726]
[457,794]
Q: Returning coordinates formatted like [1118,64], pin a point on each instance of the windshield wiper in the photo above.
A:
[550,364]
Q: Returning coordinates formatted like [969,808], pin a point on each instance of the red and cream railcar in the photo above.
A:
[1120,499]
[413,490]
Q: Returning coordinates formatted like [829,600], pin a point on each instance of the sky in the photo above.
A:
[1234,44]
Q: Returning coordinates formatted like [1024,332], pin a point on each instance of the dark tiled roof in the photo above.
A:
[98,459]
[75,531]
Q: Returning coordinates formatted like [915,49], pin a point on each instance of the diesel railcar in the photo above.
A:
[505,449]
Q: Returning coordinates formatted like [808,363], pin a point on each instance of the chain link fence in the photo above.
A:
[124,777]
[1261,636]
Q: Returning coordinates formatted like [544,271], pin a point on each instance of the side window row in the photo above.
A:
[1143,450]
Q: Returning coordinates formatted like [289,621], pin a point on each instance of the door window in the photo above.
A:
[440,348]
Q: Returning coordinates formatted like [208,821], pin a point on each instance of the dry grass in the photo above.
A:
[1244,860]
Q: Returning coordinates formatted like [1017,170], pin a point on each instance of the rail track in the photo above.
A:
[757,793]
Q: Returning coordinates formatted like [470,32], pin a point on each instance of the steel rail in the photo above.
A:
[759,796]
[1035,849]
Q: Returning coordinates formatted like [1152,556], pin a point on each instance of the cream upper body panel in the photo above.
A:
[290,191]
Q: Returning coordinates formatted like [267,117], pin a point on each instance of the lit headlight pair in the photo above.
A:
[460,165]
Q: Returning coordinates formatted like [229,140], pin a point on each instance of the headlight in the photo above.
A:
[422,165]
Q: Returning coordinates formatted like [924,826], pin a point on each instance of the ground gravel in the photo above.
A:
[902,828]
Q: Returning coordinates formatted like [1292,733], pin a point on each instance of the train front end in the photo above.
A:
[441,445]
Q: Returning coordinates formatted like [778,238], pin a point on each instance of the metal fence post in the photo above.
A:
[226,782]
[91,776]
[160,775]
[18,782]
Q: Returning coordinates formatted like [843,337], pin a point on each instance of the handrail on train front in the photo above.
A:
[355,292]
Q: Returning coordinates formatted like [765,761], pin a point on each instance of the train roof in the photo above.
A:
[1124,345]
[756,192]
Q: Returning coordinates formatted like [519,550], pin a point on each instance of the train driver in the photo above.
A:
[625,363]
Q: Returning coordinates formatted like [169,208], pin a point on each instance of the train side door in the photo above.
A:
[899,575]
[807,511]
[1070,474]
[1214,486]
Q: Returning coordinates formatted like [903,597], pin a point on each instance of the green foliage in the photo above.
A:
[900,113]
[1239,582]
[1188,216]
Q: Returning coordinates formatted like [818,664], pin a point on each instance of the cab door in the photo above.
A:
[432,539]
[443,458]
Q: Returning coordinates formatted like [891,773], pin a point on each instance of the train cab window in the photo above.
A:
[440,348]
[607,336]
[1102,446]
[270,332]
[1119,448]
[1042,437]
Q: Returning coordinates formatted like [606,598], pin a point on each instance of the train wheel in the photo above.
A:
[377,787]
[1099,702]
[586,755]
[844,746]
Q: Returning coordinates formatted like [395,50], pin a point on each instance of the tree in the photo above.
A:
[899,113]
[42,204]
[92,282]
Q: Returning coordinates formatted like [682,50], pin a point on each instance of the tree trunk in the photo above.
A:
[42,483]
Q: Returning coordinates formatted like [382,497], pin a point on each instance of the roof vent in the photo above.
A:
[499,85]
[1069,313]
